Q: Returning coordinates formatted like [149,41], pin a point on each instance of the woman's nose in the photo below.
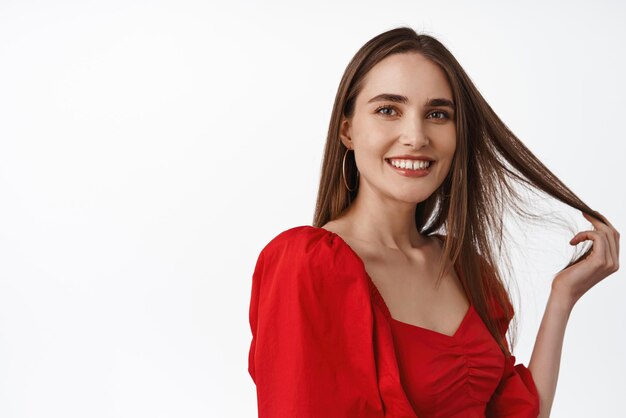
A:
[415,134]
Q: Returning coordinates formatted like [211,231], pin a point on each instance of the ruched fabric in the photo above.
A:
[324,345]
[448,376]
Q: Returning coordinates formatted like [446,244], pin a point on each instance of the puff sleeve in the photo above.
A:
[311,353]
[516,395]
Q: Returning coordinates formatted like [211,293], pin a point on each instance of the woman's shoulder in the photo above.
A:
[302,242]
[312,260]
[296,234]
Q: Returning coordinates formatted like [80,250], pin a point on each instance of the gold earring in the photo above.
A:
[343,172]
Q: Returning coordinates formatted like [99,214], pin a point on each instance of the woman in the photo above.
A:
[369,312]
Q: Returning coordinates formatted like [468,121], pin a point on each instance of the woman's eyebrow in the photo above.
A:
[398,98]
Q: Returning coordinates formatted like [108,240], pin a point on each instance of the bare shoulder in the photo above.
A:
[335,226]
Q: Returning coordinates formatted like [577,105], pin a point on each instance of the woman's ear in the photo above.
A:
[344,133]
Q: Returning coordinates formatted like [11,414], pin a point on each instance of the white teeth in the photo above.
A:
[410,164]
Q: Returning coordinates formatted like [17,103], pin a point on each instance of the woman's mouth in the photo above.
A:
[411,168]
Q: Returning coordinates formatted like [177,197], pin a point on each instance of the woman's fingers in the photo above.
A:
[611,236]
[598,249]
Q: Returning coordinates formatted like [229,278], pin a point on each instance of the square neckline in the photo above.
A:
[379,298]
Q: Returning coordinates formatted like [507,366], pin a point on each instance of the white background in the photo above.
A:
[149,150]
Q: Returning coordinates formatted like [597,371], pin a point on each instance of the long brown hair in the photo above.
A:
[471,202]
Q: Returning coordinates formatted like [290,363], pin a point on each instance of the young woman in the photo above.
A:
[369,312]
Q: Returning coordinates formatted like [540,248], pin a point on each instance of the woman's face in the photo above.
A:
[418,122]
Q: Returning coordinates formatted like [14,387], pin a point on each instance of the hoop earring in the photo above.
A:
[343,172]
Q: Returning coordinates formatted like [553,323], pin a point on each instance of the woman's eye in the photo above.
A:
[444,114]
[385,108]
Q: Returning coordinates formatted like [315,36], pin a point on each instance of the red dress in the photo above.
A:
[325,345]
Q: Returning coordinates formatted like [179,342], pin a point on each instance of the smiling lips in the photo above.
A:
[411,167]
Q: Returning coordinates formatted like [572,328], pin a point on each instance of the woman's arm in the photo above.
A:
[311,353]
[567,288]
[546,357]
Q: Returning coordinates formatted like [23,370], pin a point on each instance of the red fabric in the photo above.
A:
[323,346]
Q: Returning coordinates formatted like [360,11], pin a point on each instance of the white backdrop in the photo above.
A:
[149,150]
